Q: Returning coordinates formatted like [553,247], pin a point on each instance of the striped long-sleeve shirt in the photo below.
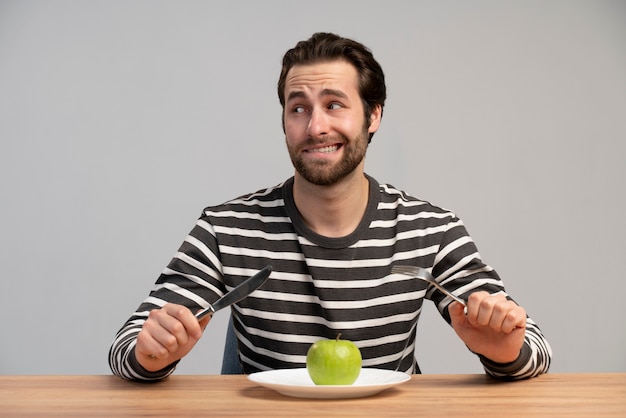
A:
[323,286]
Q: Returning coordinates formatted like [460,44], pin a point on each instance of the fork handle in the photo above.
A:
[447,293]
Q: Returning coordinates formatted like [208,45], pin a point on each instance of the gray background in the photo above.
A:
[121,120]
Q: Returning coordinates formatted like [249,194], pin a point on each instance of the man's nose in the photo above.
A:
[318,123]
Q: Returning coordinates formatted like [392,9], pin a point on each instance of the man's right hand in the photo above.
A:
[168,335]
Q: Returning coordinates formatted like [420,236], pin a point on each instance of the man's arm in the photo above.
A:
[508,343]
[164,329]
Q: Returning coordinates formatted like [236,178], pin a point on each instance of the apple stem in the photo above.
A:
[338,335]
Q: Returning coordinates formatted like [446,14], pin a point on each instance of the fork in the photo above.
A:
[423,274]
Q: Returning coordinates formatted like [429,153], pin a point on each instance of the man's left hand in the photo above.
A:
[493,326]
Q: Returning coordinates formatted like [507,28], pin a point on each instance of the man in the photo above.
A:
[332,234]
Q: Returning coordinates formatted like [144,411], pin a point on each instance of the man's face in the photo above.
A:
[325,127]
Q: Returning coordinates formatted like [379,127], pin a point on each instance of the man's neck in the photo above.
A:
[332,211]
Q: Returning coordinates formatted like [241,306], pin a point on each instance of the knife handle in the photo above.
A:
[205,312]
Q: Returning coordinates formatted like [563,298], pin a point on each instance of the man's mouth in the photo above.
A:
[325,150]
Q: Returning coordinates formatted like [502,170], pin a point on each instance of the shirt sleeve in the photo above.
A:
[192,278]
[459,267]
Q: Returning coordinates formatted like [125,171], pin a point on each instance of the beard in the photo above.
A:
[325,173]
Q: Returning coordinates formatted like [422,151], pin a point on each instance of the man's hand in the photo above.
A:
[168,335]
[494,326]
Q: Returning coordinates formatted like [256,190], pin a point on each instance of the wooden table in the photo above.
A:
[551,395]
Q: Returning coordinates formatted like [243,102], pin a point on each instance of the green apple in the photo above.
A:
[333,362]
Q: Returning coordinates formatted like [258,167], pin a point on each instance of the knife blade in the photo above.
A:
[238,293]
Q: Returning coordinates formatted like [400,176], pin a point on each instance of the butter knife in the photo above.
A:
[238,293]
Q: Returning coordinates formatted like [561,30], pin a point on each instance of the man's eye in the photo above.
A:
[299,109]
[334,106]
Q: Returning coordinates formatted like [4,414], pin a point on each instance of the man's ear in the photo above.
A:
[375,118]
[282,119]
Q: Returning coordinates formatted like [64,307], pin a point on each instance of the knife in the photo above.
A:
[238,293]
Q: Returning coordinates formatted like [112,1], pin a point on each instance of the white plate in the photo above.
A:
[297,383]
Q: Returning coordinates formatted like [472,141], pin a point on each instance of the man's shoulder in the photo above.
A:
[392,196]
[269,197]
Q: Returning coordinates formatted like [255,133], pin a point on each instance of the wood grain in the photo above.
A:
[551,395]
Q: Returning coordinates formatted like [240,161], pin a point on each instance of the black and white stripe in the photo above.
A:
[323,286]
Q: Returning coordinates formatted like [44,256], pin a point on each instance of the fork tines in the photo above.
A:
[403,269]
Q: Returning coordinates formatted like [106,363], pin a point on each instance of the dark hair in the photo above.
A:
[324,47]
